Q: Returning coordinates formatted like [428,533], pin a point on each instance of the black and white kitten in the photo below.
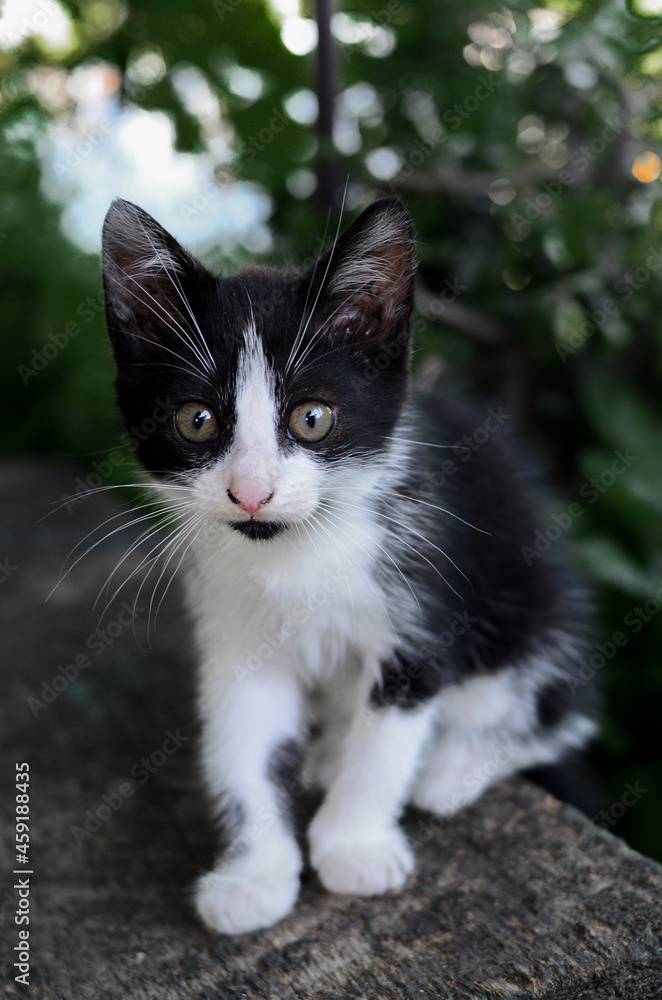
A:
[339,583]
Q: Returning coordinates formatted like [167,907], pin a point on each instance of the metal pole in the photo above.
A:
[327,165]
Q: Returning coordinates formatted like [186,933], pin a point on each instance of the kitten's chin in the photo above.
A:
[258,530]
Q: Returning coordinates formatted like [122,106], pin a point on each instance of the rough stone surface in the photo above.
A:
[517,896]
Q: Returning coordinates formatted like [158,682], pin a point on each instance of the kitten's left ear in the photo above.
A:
[147,275]
[368,293]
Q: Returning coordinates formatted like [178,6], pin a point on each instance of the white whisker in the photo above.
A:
[140,540]
[404,496]
[357,563]
[178,330]
[177,285]
[408,527]
[382,549]
[427,444]
[300,336]
[92,547]
[84,494]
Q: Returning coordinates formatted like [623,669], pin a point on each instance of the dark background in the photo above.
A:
[524,142]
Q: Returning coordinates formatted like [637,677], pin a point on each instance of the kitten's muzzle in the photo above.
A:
[249,501]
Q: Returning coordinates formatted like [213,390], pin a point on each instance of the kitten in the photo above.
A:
[341,584]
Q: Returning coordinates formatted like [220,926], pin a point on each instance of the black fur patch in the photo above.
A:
[232,821]
[552,703]
[491,609]
[258,529]
[283,768]
[405,682]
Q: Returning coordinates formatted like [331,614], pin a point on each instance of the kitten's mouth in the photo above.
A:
[258,529]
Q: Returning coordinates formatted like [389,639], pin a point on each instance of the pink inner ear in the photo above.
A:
[365,322]
[344,322]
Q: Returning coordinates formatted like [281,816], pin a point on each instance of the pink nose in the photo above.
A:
[249,499]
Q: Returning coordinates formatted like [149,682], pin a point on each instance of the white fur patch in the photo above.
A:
[255,466]
[253,892]
[487,729]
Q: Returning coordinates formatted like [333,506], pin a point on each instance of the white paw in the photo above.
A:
[245,897]
[365,867]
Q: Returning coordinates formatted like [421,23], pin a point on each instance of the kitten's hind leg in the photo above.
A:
[460,766]
[250,731]
[489,728]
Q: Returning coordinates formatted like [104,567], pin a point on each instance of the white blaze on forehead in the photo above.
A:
[253,460]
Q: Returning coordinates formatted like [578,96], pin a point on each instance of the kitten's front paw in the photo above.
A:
[364,867]
[237,900]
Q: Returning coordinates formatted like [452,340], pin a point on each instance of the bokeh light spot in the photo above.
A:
[647,167]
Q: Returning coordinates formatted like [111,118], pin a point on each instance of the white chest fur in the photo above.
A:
[315,599]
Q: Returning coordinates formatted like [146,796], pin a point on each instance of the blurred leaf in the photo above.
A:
[619,415]
[608,563]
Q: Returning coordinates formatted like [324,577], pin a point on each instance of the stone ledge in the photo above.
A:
[516,896]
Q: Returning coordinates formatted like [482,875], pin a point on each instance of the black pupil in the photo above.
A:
[311,417]
[199,419]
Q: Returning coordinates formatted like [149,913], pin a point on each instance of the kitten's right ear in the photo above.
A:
[146,274]
[368,278]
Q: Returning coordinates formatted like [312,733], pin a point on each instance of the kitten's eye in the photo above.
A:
[310,421]
[196,422]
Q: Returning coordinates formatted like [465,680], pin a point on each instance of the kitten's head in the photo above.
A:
[263,389]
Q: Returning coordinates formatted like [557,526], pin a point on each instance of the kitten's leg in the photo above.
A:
[333,709]
[490,729]
[461,765]
[249,728]
[356,844]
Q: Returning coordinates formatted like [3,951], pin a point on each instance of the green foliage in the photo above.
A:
[516,133]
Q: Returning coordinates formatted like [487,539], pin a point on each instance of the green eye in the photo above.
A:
[310,421]
[196,422]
